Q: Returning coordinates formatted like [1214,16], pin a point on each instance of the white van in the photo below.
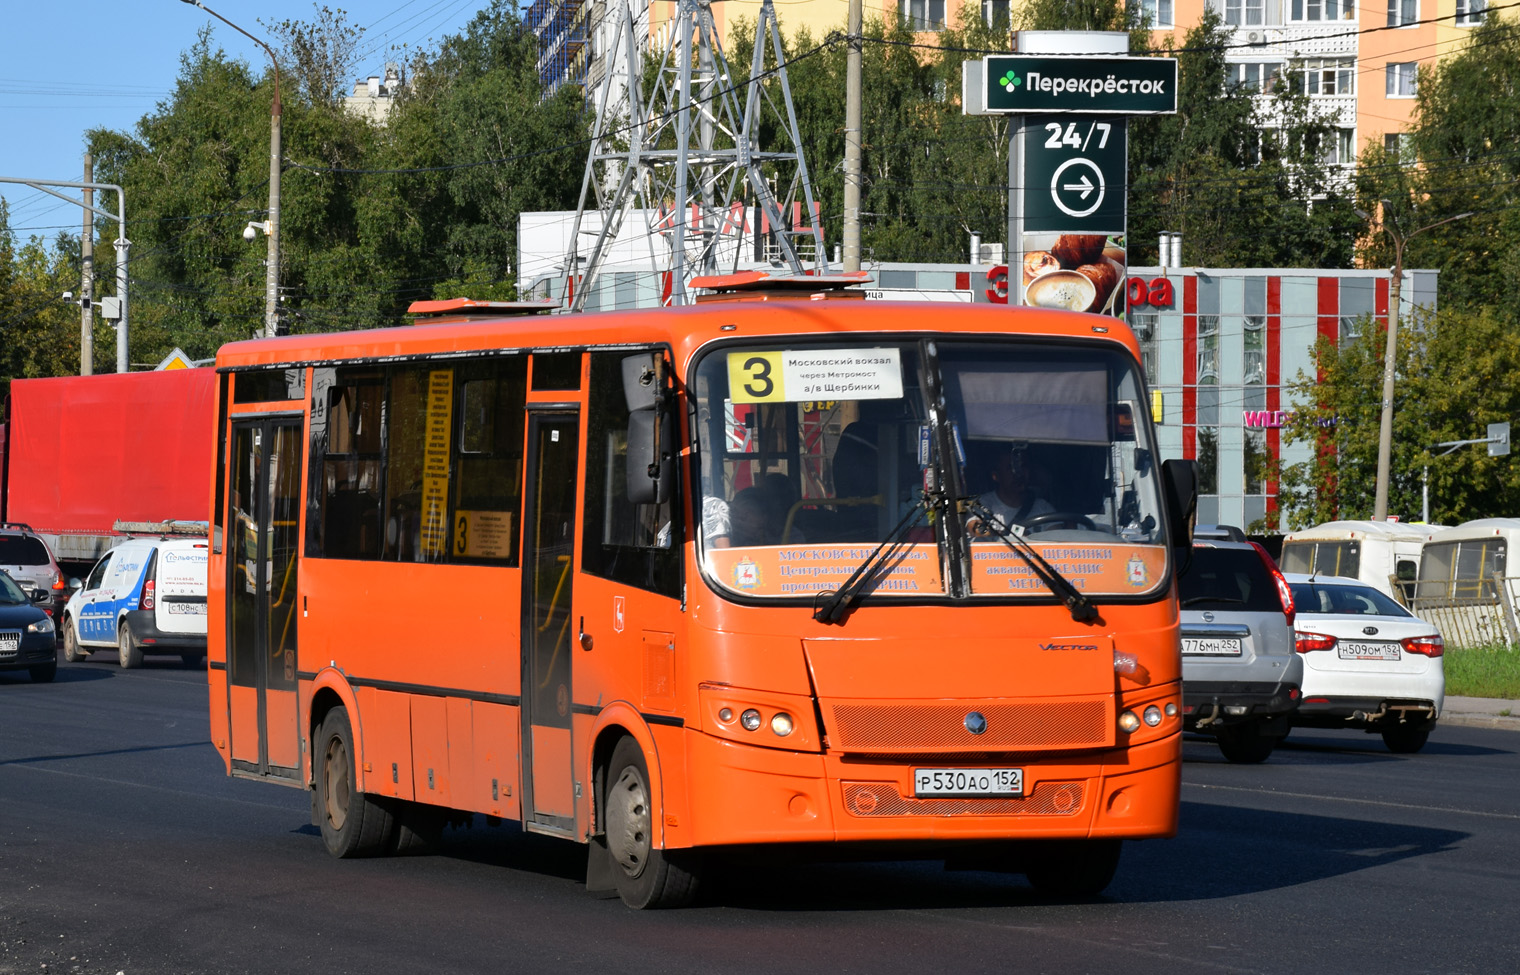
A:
[146,595]
[1465,586]
[1376,552]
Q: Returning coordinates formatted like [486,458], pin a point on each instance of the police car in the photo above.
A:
[147,595]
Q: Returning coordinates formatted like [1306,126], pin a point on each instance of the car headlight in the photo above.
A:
[44,625]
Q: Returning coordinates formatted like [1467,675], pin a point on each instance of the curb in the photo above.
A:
[1496,721]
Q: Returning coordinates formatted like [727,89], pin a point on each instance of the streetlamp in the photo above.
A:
[1385,426]
[272,226]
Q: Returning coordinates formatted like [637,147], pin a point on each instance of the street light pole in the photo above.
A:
[1385,425]
[272,227]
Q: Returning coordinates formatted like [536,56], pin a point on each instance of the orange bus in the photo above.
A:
[672,581]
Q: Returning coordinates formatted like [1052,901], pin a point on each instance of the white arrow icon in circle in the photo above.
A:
[1084,188]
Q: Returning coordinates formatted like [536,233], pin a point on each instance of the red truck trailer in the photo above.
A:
[85,456]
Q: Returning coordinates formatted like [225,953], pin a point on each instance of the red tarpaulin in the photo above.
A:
[87,451]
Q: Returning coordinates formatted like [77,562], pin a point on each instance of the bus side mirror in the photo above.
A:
[650,448]
[1180,481]
[641,381]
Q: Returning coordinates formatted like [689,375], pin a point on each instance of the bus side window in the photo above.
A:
[635,544]
[347,492]
[486,492]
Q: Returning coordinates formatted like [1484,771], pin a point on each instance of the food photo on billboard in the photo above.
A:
[1076,272]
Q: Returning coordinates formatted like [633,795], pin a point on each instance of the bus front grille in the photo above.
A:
[942,726]
[872,799]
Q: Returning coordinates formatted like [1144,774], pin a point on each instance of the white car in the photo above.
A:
[1368,662]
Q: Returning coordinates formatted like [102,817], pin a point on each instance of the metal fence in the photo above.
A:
[1469,612]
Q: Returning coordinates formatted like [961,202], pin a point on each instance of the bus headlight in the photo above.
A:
[1129,721]
[1153,715]
[781,724]
[750,719]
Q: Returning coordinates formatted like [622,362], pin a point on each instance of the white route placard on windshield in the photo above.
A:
[790,376]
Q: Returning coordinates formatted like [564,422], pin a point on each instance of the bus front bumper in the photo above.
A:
[759,795]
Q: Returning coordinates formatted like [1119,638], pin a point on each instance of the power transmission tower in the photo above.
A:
[687,159]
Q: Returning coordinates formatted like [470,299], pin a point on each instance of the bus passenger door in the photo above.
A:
[261,596]
[548,626]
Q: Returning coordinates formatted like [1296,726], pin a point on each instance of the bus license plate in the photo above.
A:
[1368,651]
[1211,646]
[968,782]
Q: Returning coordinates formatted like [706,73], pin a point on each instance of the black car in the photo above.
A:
[26,634]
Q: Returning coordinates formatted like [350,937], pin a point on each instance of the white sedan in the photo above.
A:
[1368,662]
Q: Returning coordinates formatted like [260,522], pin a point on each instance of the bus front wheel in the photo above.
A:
[1072,868]
[645,876]
[353,823]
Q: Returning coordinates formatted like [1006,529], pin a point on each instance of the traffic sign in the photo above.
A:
[1498,439]
[1023,84]
[1074,175]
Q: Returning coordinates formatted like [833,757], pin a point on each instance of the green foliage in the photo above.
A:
[1454,376]
[1483,671]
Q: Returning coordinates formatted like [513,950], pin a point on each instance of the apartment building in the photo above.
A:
[1358,62]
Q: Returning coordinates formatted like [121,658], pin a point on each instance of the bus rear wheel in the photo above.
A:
[645,876]
[353,823]
[1072,868]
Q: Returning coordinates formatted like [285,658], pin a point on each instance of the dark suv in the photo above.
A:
[1240,674]
[26,558]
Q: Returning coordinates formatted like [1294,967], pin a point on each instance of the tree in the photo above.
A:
[320,52]
[1455,374]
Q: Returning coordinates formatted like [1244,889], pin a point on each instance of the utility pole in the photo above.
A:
[87,274]
[852,140]
[272,226]
[1385,424]
[121,242]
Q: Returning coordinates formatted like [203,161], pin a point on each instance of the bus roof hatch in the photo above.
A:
[765,286]
[469,309]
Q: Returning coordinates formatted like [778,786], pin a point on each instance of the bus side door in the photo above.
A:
[263,546]
[548,624]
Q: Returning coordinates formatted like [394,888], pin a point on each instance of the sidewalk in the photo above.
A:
[1481,712]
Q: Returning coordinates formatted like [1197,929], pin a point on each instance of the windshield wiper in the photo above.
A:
[1081,608]
[833,607]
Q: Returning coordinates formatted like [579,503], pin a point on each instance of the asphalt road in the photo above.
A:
[124,848]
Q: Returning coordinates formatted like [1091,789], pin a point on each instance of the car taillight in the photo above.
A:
[1425,646]
[1309,642]
[146,600]
[1284,591]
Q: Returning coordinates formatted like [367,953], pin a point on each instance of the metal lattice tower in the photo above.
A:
[687,160]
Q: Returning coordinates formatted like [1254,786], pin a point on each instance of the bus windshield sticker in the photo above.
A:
[1092,568]
[816,374]
[801,570]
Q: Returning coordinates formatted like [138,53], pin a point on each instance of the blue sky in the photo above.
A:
[72,65]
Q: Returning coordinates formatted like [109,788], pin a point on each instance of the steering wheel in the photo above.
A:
[1041,522]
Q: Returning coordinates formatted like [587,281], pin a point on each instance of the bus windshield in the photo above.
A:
[813,454]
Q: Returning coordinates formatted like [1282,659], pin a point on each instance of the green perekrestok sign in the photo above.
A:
[1090,84]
